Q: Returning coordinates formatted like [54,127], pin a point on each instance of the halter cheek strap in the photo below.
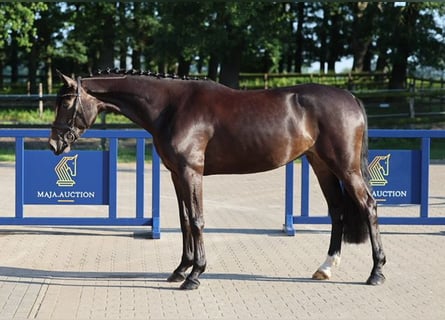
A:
[72,132]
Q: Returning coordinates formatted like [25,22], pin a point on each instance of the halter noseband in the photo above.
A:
[72,133]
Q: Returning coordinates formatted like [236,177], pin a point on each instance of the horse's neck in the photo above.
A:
[140,101]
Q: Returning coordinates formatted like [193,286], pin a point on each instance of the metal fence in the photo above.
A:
[154,221]
[304,216]
[112,219]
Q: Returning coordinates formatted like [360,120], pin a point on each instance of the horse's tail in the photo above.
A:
[355,219]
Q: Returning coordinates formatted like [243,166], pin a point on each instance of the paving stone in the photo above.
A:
[254,270]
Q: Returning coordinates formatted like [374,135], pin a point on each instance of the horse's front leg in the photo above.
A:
[189,187]
[179,274]
[194,211]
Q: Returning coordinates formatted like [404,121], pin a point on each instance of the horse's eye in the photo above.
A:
[65,105]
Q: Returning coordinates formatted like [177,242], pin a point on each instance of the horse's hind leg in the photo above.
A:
[332,192]
[358,190]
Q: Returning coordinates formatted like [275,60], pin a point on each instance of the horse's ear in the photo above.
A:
[66,80]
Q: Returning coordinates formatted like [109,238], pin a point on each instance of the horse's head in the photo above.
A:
[385,164]
[76,111]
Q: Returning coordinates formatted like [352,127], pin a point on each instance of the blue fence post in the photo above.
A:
[112,206]
[304,187]
[19,183]
[288,226]
[156,186]
[140,164]
[424,176]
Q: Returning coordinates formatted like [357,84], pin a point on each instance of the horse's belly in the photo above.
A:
[239,160]
[238,167]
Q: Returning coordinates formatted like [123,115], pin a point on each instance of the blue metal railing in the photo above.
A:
[305,218]
[154,220]
[112,219]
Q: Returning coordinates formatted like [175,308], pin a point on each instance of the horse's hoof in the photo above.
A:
[320,275]
[189,284]
[176,277]
[376,279]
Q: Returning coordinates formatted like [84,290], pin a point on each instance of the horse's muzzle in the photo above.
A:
[58,146]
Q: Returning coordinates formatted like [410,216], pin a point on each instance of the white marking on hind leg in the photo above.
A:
[324,271]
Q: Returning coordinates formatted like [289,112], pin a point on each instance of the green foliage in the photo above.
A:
[212,36]
[17,21]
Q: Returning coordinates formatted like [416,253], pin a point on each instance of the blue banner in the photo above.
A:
[395,176]
[80,177]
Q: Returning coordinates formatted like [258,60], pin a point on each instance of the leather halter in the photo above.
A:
[71,133]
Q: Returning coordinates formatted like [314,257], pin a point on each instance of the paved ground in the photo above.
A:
[254,270]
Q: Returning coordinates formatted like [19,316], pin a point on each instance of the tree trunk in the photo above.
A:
[299,38]
[323,41]
[335,45]
[136,52]
[122,38]
[106,55]
[382,56]
[32,69]
[49,75]
[364,18]
[230,67]
[367,61]
[136,59]
[213,67]
[14,61]
[404,39]
[183,66]
[398,74]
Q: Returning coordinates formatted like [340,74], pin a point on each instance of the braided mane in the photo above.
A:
[134,72]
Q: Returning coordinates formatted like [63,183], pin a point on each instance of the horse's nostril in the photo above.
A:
[53,146]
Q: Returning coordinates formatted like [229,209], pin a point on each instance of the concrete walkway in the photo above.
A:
[254,270]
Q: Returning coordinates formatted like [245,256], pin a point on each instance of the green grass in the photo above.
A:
[32,117]
[126,148]
[6,156]
[21,117]
[437,145]
[26,116]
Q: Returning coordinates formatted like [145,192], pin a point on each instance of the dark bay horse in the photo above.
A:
[201,128]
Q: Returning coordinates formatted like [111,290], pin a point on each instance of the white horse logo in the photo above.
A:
[66,169]
[378,170]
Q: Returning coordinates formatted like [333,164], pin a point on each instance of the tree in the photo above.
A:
[404,36]
[220,37]
[332,32]
[18,31]
[95,27]
[299,37]
[365,21]
[245,29]
[179,37]
[410,34]
[143,25]
[49,24]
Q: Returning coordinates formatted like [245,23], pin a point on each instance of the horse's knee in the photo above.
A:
[197,225]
